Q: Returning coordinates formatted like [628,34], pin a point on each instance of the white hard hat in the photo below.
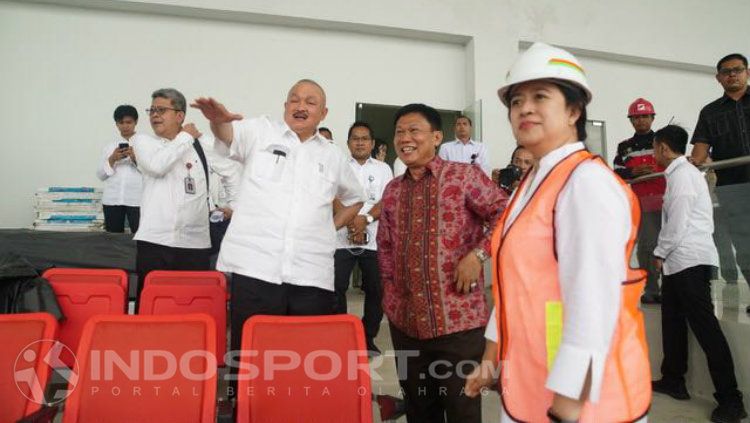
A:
[542,61]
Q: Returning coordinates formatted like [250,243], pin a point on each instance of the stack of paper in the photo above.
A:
[69,209]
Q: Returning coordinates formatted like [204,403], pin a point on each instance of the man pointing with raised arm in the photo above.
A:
[281,241]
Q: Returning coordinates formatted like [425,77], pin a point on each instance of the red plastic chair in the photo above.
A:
[23,370]
[161,369]
[304,369]
[187,277]
[83,293]
[158,298]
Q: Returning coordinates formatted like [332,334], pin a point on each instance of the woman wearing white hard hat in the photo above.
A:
[571,337]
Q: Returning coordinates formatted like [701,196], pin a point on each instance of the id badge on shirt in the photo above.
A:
[189,185]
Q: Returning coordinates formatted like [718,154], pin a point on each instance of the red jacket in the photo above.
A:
[637,151]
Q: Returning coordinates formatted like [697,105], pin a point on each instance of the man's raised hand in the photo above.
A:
[214,111]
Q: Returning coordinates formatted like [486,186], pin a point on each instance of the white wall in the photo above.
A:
[66,57]
[66,69]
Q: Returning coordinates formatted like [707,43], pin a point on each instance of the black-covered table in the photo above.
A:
[44,249]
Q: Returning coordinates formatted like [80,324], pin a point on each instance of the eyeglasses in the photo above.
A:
[413,132]
[160,110]
[730,71]
[355,139]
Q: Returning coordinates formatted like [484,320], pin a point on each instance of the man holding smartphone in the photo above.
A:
[122,180]
[355,244]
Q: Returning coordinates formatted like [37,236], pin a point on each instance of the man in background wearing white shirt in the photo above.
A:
[173,233]
[685,254]
[281,241]
[122,181]
[464,149]
[356,243]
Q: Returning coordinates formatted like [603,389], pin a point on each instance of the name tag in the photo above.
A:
[189,185]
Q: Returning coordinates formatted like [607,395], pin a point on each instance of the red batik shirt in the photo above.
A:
[426,227]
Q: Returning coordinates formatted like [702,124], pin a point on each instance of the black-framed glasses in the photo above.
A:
[356,139]
[160,110]
[732,71]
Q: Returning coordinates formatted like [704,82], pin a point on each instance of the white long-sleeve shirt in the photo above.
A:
[169,215]
[687,224]
[473,152]
[282,229]
[123,183]
[374,175]
[592,227]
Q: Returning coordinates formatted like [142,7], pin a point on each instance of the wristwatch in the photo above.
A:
[481,255]
[369,218]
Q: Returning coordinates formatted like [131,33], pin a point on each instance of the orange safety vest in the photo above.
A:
[526,287]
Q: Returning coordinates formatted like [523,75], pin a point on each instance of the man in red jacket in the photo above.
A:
[635,158]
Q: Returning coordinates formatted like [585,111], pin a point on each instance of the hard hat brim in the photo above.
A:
[503,91]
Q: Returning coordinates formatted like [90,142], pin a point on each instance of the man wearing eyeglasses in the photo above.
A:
[356,243]
[174,227]
[723,131]
[282,238]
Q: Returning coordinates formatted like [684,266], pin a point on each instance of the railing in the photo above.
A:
[721,164]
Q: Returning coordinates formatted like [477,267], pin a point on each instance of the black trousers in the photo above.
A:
[345,260]
[149,256]
[252,296]
[114,218]
[686,299]
[430,396]
[648,235]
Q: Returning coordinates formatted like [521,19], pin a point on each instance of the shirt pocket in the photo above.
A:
[718,124]
[320,182]
[268,166]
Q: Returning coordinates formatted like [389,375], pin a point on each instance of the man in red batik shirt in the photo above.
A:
[434,236]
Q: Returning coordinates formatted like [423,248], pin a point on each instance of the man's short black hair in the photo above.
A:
[728,57]
[430,114]
[323,128]
[465,117]
[360,124]
[674,136]
[125,110]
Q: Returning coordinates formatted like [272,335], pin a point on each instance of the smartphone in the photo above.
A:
[123,145]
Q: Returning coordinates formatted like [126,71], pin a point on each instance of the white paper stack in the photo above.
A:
[68,209]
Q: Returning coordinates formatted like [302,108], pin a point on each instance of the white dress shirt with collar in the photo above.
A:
[374,175]
[591,249]
[687,224]
[282,228]
[122,182]
[473,152]
[169,215]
